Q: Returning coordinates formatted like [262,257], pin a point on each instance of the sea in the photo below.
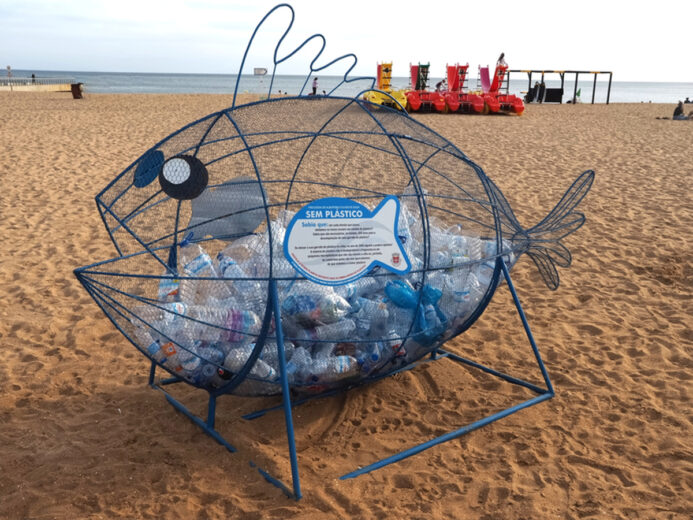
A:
[158,83]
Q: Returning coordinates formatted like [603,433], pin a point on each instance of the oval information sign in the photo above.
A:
[335,241]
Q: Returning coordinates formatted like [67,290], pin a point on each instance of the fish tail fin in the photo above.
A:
[543,242]
[545,247]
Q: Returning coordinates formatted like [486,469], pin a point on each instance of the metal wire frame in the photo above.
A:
[277,60]
[540,241]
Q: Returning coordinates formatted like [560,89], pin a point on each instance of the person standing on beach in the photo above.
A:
[315,85]
[501,61]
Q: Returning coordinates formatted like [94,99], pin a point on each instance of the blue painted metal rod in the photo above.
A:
[447,437]
[152,373]
[496,373]
[286,398]
[525,324]
[199,422]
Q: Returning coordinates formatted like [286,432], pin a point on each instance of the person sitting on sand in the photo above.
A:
[678,112]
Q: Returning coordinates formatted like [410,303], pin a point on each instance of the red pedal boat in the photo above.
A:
[419,99]
[455,98]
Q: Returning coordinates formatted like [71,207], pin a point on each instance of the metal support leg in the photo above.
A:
[286,397]
[544,394]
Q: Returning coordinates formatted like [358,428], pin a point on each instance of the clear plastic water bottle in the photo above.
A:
[242,325]
[248,292]
[401,321]
[476,290]
[162,322]
[270,353]
[197,263]
[309,303]
[373,356]
[206,373]
[371,317]
[340,330]
[299,366]
[324,350]
[237,357]
[334,368]
[475,248]
[174,357]
[206,323]
[361,287]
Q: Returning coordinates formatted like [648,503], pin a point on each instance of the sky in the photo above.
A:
[644,41]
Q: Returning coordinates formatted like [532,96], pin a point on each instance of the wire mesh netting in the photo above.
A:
[200,222]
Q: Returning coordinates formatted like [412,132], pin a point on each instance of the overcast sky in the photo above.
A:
[638,41]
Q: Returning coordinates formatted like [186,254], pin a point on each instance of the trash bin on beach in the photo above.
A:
[76,89]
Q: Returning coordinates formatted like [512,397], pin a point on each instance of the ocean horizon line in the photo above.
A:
[219,83]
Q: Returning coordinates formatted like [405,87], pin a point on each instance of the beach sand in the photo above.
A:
[82,436]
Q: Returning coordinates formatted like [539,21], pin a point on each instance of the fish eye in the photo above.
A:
[183,177]
[176,171]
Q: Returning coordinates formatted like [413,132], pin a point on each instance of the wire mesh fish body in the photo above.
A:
[200,223]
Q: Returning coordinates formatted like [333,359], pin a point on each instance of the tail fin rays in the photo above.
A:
[542,241]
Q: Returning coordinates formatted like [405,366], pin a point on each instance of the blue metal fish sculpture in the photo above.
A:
[345,237]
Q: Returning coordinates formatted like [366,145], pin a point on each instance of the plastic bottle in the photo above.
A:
[173,354]
[197,263]
[374,355]
[237,357]
[362,286]
[324,350]
[334,368]
[242,325]
[476,290]
[168,290]
[206,373]
[475,248]
[371,318]
[299,366]
[335,331]
[206,323]
[401,321]
[309,304]
[270,353]
[248,292]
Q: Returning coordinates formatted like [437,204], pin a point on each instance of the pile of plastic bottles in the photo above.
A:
[204,330]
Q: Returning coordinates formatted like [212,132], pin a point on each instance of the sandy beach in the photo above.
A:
[82,435]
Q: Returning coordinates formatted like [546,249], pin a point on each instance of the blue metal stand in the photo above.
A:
[208,425]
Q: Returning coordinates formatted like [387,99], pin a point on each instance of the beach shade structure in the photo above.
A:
[305,245]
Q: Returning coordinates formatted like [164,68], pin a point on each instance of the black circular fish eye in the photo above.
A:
[183,177]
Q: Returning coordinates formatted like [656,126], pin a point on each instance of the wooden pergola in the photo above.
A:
[562,73]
